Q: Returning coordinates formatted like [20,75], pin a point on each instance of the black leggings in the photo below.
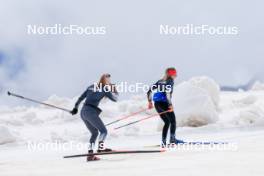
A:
[168,119]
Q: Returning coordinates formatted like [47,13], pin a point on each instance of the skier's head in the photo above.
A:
[171,73]
[105,79]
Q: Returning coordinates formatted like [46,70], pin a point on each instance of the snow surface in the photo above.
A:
[203,114]
[258,86]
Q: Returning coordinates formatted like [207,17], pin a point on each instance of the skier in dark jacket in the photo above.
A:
[162,103]
[90,111]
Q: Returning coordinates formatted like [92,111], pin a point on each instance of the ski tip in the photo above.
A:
[8,93]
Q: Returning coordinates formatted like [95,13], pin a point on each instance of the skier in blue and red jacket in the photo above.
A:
[162,102]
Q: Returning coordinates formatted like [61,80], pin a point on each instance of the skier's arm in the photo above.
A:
[80,99]
[168,96]
[169,90]
[112,96]
[149,93]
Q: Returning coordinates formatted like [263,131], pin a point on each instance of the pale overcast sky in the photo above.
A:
[132,49]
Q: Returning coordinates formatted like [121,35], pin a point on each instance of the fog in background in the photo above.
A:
[132,50]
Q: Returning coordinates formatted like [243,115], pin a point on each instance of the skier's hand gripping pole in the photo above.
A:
[148,117]
[36,101]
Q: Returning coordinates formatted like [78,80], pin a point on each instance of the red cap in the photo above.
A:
[172,72]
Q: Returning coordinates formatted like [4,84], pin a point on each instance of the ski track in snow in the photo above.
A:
[244,161]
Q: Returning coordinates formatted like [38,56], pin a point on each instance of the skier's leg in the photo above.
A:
[96,122]
[92,117]
[172,118]
[103,133]
[94,133]
[165,128]
[161,107]
[85,115]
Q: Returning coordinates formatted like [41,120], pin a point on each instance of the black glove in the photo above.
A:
[74,111]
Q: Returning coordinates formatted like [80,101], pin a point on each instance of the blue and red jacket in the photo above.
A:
[163,91]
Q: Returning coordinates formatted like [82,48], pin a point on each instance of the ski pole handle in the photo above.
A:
[36,101]
[18,96]
[148,117]
[127,116]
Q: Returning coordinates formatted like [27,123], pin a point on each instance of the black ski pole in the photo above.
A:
[36,101]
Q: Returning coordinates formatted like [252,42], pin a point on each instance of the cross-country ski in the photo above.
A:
[186,143]
[116,152]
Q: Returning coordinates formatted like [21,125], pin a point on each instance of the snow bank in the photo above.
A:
[258,86]
[253,115]
[196,102]
[209,85]
[246,101]
[6,136]
[121,108]
[59,101]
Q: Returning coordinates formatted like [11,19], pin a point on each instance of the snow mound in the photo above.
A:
[245,101]
[6,136]
[122,108]
[58,101]
[208,85]
[196,102]
[258,86]
[252,116]
[31,118]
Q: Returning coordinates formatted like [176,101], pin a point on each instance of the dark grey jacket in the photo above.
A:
[93,97]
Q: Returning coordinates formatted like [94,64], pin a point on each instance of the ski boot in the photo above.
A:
[163,143]
[92,157]
[101,148]
[174,141]
[178,141]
